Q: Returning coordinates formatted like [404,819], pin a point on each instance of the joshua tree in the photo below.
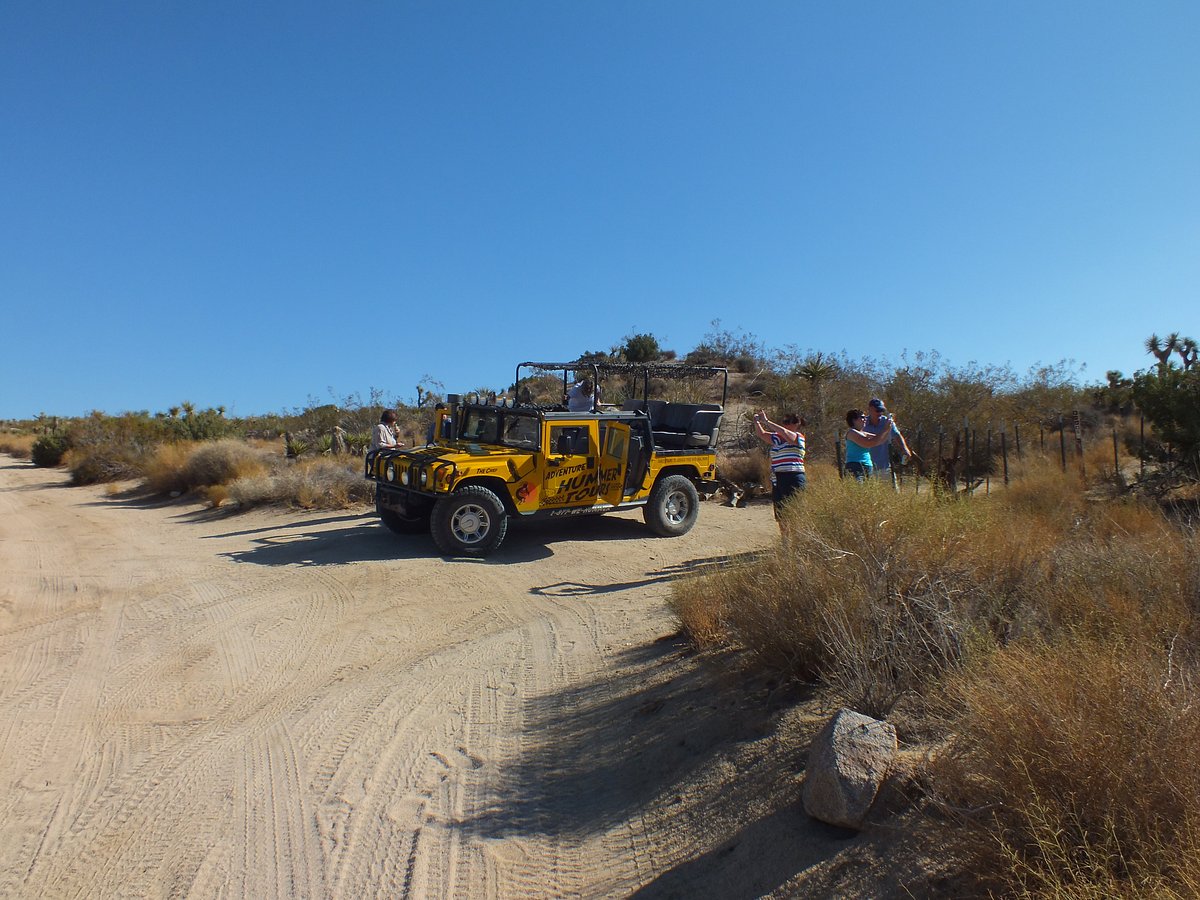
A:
[1169,395]
[818,370]
[1162,350]
[1186,349]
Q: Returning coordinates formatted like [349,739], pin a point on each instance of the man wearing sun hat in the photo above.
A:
[878,421]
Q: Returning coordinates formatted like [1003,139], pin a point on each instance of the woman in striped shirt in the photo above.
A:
[786,445]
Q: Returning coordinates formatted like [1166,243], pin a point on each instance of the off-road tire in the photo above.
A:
[398,524]
[470,522]
[673,506]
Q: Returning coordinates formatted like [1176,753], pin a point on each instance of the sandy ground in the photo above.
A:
[274,704]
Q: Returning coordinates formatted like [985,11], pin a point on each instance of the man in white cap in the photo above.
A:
[879,421]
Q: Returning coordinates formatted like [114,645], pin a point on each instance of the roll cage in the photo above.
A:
[642,371]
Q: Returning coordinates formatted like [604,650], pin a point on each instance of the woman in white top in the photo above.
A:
[383,437]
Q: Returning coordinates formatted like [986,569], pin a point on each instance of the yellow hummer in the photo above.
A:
[489,461]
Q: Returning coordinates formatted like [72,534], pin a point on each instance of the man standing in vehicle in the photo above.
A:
[583,396]
[878,421]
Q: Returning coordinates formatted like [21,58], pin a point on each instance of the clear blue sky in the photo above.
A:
[251,204]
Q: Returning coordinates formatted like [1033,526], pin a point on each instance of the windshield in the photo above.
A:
[522,431]
[501,426]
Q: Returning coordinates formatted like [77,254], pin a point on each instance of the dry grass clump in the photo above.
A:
[745,468]
[1079,766]
[322,483]
[870,592]
[223,462]
[163,471]
[190,466]
[254,474]
[17,445]
[1051,638]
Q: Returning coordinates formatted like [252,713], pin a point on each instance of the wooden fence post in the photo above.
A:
[1077,425]
[1141,448]
[937,467]
[1004,456]
[967,452]
[1062,442]
[987,473]
[917,477]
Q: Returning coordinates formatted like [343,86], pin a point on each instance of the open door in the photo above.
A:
[570,477]
[614,458]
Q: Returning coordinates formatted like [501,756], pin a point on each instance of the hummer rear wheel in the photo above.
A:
[673,506]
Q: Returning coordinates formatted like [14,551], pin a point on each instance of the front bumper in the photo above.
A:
[414,471]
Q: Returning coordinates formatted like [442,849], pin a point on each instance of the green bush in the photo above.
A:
[48,450]
[1169,395]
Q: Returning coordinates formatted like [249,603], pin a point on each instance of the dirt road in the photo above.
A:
[274,704]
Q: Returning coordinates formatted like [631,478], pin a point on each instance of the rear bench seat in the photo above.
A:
[681,425]
[652,408]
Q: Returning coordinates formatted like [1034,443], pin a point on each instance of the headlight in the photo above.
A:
[404,477]
[424,477]
[389,472]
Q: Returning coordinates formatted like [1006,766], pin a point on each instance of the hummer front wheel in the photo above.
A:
[470,522]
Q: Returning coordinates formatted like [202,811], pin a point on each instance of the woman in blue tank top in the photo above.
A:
[859,444]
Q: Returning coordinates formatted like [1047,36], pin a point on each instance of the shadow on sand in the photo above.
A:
[664,574]
[643,744]
[363,539]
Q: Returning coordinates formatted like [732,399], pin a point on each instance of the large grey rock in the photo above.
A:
[847,764]
[338,443]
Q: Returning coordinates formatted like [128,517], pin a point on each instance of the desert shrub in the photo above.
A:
[1051,636]
[1081,764]
[17,445]
[1169,395]
[199,425]
[321,483]
[876,595]
[297,446]
[183,467]
[723,347]
[163,470]
[100,463]
[641,348]
[869,592]
[744,468]
[48,450]
[222,462]
[112,448]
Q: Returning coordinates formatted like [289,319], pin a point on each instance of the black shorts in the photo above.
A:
[786,484]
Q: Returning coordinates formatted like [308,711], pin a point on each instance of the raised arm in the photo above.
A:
[865,439]
[765,428]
